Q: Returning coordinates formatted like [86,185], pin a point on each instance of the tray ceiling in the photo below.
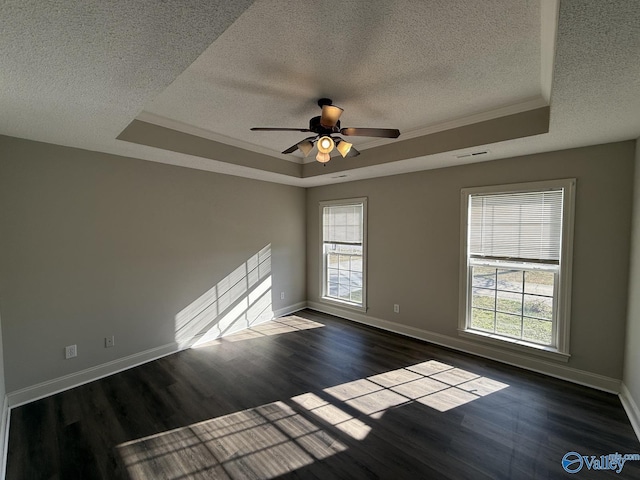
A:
[183,83]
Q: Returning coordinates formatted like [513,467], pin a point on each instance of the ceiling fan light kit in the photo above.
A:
[344,148]
[324,126]
[325,144]
[323,157]
[330,115]
[305,147]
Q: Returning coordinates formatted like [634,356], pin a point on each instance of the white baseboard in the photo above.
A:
[4,437]
[288,310]
[631,407]
[538,365]
[51,387]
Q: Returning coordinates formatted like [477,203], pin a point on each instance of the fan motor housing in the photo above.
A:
[316,127]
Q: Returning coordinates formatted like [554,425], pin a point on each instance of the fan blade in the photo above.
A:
[330,115]
[371,132]
[278,129]
[291,149]
[295,147]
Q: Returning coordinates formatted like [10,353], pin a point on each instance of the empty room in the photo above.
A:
[283,239]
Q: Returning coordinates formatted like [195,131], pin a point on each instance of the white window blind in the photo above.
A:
[519,226]
[343,224]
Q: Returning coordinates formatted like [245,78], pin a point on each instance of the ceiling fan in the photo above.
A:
[325,127]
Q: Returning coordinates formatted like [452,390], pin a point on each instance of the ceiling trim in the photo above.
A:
[144,133]
[162,121]
[524,106]
[509,127]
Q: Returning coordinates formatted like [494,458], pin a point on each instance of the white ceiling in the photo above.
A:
[77,73]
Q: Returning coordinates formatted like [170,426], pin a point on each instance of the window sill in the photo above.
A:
[517,345]
[343,304]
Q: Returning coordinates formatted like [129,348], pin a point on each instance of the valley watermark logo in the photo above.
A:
[573,462]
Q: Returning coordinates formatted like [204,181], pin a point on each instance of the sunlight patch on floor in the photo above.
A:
[263,442]
[333,415]
[284,436]
[276,326]
[430,383]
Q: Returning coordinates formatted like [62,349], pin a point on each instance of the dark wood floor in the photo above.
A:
[317,397]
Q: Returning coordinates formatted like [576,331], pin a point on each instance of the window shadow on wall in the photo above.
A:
[239,301]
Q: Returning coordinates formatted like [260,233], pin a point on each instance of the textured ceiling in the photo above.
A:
[78,73]
[402,64]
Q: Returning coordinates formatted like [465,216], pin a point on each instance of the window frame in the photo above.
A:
[323,267]
[562,293]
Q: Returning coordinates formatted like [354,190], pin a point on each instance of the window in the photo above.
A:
[516,264]
[343,227]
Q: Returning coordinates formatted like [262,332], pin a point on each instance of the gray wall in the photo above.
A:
[414,243]
[93,245]
[3,433]
[3,390]
[632,351]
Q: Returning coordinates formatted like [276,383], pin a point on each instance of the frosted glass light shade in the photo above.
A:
[305,147]
[330,115]
[344,147]
[325,145]
[323,157]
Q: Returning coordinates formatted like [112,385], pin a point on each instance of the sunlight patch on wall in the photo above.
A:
[238,301]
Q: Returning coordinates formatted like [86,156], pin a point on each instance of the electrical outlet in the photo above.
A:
[396,308]
[281,295]
[70,351]
[109,341]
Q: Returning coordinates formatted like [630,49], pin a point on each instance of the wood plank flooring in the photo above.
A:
[313,396]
